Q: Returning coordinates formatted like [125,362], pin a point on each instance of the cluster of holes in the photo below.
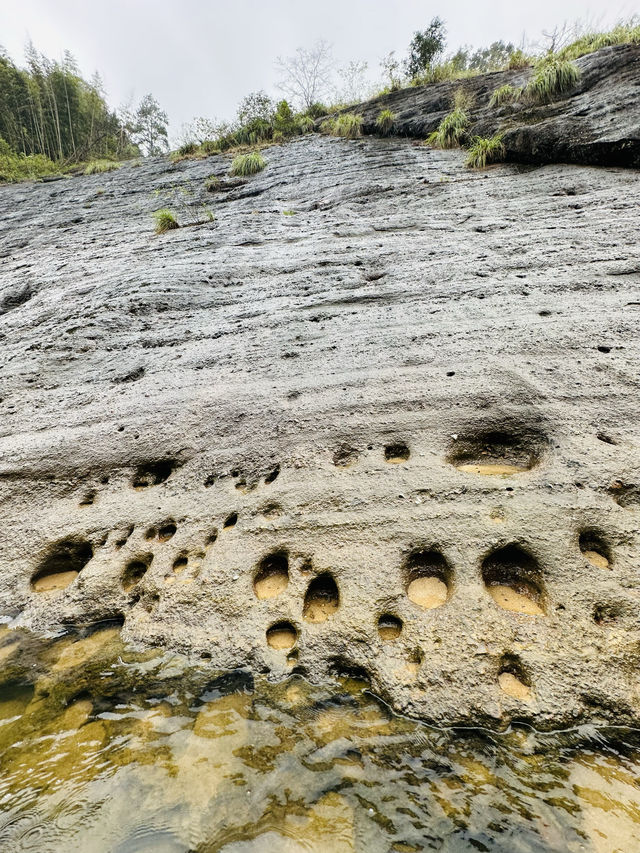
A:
[347,455]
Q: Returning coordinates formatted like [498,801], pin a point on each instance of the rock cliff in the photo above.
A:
[596,123]
[379,417]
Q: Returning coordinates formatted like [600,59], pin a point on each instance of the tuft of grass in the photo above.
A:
[187,148]
[451,130]
[210,146]
[348,125]
[328,126]
[506,94]
[518,60]
[248,164]
[97,167]
[288,213]
[483,151]
[165,220]
[385,121]
[551,78]
[212,184]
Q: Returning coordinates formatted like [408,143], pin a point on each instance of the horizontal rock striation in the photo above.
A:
[393,433]
[597,123]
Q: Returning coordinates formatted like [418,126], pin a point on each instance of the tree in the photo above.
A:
[354,82]
[391,70]
[150,127]
[425,47]
[256,105]
[306,77]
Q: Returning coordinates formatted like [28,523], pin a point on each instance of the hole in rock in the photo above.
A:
[595,549]
[231,520]
[272,475]
[605,614]
[499,451]
[389,627]
[61,565]
[212,537]
[601,436]
[88,499]
[167,531]
[396,453]
[150,533]
[271,510]
[345,456]
[282,635]
[272,576]
[626,495]
[153,473]
[180,564]
[135,571]
[514,580]
[322,598]
[513,679]
[342,667]
[604,349]
[428,578]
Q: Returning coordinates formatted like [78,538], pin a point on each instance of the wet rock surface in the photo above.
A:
[596,123]
[420,376]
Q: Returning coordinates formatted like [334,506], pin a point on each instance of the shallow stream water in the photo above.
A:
[105,749]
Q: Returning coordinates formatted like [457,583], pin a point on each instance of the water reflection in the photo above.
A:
[108,749]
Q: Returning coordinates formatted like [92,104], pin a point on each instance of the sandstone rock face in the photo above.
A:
[250,438]
[596,123]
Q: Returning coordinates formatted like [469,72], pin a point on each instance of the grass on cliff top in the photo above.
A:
[484,151]
[506,94]
[97,167]
[165,221]
[625,32]
[248,164]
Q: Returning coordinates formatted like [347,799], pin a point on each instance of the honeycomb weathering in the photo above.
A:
[423,375]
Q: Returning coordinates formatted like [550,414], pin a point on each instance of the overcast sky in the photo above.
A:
[200,57]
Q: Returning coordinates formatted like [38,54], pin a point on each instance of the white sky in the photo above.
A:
[200,57]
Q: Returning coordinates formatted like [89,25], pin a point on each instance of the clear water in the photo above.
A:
[107,749]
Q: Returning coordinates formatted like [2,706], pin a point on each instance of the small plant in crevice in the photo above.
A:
[453,128]
[212,184]
[504,95]
[248,164]
[385,121]
[551,78]
[483,151]
[165,220]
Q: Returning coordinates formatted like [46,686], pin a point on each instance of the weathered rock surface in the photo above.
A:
[597,123]
[314,395]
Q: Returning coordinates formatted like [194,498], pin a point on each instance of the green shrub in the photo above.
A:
[248,164]
[97,167]
[451,130]
[317,111]
[348,125]
[23,167]
[551,77]
[210,146]
[483,151]
[165,221]
[506,94]
[385,121]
